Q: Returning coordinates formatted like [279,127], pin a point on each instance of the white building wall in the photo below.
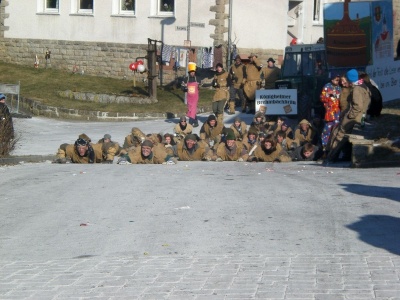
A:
[255,24]
[103,26]
[259,24]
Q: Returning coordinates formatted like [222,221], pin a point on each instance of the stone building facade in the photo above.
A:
[261,27]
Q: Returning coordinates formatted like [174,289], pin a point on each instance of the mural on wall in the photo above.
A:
[347,28]
[382,30]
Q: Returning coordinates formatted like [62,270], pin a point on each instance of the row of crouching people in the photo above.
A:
[261,141]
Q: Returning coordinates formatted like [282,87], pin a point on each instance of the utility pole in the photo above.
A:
[229,35]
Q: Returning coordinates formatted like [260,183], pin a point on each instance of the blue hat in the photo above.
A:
[352,75]
[2,96]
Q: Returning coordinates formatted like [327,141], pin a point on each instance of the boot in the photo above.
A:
[244,104]
[231,107]
[220,118]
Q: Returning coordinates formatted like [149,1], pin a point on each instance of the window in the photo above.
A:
[52,5]
[317,12]
[166,7]
[47,6]
[127,7]
[85,6]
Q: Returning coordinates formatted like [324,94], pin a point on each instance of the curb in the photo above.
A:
[36,108]
[15,160]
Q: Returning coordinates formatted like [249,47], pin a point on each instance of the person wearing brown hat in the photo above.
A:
[221,84]
[253,82]
[211,131]
[238,77]
[270,74]
[191,150]
[230,149]
[239,128]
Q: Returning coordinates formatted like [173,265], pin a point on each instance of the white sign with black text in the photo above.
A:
[277,101]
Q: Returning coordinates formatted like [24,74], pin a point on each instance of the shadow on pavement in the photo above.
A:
[391,193]
[379,231]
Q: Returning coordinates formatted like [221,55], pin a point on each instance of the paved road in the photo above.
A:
[195,230]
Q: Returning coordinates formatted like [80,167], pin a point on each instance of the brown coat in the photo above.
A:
[178,130]
[211,133]
[277,155]
[222,90]
[237,72]
[253,71]
[69,151]
[360,101]
[239,132]
[344,98]
[270,76]
[301,138]
[158,156]
[200,152]
[134,139]
[238,151]
[247,144]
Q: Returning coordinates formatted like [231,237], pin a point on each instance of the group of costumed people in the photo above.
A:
[242,81]
[346,101]
[261,141]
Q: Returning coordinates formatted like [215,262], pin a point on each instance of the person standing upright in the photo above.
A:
[238,78]
[330,97]
[6,122]
[253,82]
[191,86]
[221,84]
[271,73]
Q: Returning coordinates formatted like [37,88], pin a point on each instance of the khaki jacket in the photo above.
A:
[277,155]
[178,130]
[270,76]
[238,72]
[239,132]
[93,155]
[360,101]
[344,98]
[158,156]
[238,151]
[253,81]
[207,132]
[301,139]
[222,91]
[200,152]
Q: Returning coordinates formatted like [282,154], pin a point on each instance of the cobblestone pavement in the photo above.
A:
[347,276]
[194,230]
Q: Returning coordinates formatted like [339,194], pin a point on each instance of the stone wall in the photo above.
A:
[34,107]
[94,58]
